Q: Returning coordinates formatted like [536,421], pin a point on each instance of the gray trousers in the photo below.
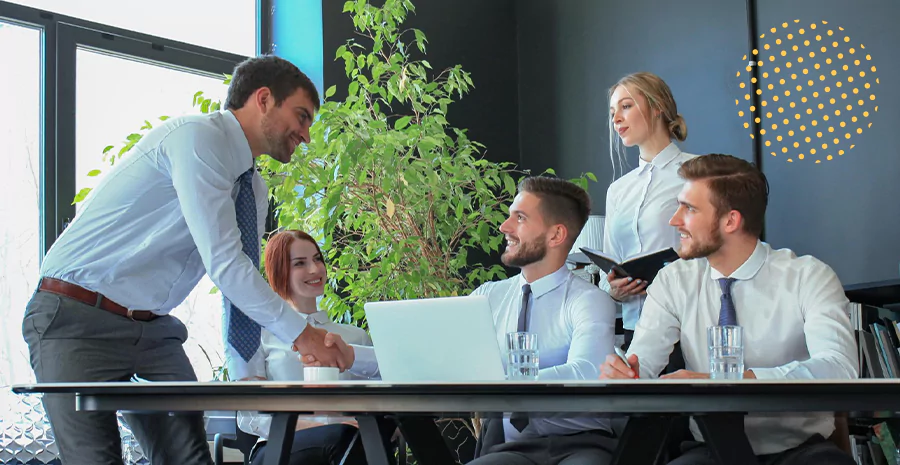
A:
[816,451]
[69,341]
[576,449]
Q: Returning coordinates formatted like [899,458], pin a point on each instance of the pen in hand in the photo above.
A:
[622,356]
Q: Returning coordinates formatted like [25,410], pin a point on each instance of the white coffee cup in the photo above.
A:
[320,373]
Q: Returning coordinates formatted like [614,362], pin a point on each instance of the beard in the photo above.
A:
[705,248]
[528,253]
[280,146]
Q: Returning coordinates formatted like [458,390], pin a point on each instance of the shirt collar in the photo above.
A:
[750,267]
[547,283]
[318,318]
[662,158]
[238,141]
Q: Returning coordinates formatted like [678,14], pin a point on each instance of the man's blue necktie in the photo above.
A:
[727,314]
[243,333]
[522,325]
[520,420]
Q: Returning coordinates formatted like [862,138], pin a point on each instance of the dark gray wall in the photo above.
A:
[572,51]
[842,211]
[542,69]
[845,211]
[480,35]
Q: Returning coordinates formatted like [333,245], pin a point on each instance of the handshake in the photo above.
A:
[320,348]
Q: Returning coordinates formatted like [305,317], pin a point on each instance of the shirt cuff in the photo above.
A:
[364,364]
[288,326]
[769,373]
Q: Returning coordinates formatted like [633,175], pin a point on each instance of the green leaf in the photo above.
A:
[591,176]
[107,149]
[402,122]
[213,290]
[146,125]
[81,195]
[93,173]
[331,90]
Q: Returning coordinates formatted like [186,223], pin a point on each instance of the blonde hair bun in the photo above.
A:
[678,128]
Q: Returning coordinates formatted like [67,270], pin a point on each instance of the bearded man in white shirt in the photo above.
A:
[570,316]
[792,310]
[573,319]
[186,200]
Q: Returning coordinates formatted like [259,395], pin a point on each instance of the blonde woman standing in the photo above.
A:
[642,113]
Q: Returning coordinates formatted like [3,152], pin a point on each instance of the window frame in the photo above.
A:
[61,36]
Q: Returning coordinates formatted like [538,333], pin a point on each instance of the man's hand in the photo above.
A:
[331,340]
[623,288]
[328,352]
[685,374]
[615,368]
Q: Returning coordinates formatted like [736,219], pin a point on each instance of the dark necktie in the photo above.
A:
[523,309]
[244,333]
[519,420]
[727,314]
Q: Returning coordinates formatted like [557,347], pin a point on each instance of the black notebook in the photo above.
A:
[642,267]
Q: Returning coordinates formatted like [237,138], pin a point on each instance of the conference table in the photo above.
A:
[717,406]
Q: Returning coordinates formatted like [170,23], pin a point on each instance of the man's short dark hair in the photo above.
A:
[734,184]
[562,202]
[278,74]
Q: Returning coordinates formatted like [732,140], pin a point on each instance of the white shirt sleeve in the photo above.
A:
[365,364]
[591,318]
[252,422]
[826,326]
[607,240]
[203,183]
[658,329]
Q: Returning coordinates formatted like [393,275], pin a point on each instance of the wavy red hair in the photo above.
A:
[278,260]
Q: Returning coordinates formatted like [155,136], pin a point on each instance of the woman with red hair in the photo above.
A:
[296,271]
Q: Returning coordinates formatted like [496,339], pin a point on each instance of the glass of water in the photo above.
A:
[726,352]
[523,358]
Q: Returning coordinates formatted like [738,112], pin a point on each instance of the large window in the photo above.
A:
[20,146]
[116,95]
[228,25]
[81,75]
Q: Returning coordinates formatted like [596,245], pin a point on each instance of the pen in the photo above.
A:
[621,355]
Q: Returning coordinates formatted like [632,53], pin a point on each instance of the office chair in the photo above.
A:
[244,442]
[240,440]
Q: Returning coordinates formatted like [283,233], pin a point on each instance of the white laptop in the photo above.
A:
[447,339]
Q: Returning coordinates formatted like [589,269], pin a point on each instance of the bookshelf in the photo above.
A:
[878,294]
[874,311]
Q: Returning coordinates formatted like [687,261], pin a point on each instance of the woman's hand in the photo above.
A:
[621,289]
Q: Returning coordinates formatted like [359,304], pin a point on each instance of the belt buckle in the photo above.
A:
[130,314]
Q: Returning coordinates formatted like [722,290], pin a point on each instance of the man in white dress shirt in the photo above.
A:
[573,319]
[175,207]
[574,322]
[792,309]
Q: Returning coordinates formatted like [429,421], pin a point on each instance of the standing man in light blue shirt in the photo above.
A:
[185,201]
[573,319]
